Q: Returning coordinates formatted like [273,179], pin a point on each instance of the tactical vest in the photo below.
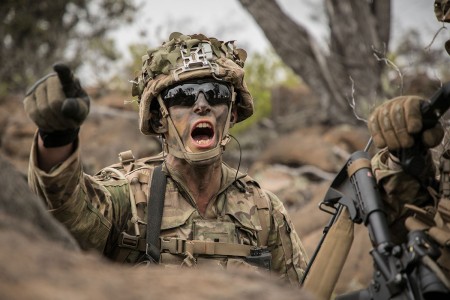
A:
[232,239]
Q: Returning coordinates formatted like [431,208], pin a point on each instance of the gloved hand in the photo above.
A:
[58,105]
[395,123]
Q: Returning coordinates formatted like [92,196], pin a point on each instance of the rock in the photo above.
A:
[304,146]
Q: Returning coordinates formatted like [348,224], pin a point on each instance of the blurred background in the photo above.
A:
[314,68]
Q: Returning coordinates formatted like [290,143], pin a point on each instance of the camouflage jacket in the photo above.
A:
[97,211]
[404,196]
[398,189]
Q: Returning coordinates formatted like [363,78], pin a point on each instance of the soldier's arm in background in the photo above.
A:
[396,125]
[398,188]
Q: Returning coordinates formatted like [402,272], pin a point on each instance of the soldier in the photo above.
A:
[396,126]
[185,206]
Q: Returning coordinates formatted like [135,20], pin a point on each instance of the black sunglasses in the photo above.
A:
[186,94]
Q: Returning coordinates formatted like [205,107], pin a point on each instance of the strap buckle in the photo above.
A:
[128,241]
[173,245]
[126,157]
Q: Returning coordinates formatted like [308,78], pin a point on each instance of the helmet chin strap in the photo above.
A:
[196,157]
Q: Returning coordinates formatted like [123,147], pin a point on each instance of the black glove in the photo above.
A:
[58,105]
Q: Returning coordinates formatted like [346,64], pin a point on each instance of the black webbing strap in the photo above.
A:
[155,206]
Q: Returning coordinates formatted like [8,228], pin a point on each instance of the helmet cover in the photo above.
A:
[187,57]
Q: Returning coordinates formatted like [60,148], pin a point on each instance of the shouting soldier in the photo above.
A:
[183,207]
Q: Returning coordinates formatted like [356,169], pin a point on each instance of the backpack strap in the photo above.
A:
[264,208]
[155,209]
[264,211]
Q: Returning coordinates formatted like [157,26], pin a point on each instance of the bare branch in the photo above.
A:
[352,102]
[428,48]
[390,64]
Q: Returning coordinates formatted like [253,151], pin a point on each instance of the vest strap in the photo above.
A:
[184,247]
[197,247]
[155,208]
[264,211]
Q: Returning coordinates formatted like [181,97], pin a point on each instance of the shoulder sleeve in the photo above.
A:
[289,258]
[90,207]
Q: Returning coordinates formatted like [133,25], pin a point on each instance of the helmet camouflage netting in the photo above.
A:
[442,12]
[186,57]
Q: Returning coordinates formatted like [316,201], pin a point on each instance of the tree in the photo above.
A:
[359,30]
[34,36]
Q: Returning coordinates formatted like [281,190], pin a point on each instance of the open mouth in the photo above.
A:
[203,134]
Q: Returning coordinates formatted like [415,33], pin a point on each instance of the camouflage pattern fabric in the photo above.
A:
[222,232]
[96,209]
[398,189]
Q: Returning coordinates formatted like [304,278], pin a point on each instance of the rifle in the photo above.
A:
[400,271]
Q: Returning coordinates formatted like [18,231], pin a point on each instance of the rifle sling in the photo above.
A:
[155,206]
[330,260]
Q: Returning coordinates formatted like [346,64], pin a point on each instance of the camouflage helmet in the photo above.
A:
[442,12]
[187,57]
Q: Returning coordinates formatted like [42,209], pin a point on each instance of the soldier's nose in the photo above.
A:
[201,104]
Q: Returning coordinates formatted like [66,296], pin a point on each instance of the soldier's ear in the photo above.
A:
[158,124]
[234,116]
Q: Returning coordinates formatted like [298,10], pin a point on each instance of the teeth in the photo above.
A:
[201,142]
[204,139]
[203,125]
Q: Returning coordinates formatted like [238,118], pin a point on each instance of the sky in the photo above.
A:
[230,21]
[227,20]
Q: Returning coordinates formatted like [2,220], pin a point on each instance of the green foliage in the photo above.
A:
[264,71]
[36,35]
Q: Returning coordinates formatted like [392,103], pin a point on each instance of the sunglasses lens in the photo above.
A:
[186,94]
[217,93]
[180,95]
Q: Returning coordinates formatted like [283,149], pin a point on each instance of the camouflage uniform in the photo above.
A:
[404,196]
[96,210]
